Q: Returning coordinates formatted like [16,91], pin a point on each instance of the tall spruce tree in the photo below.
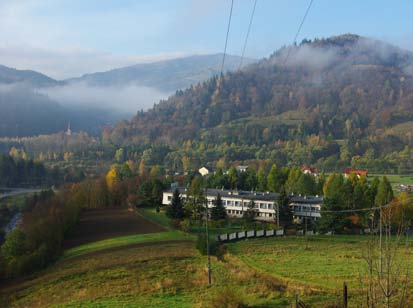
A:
[218,212]
[251,212]
[286,214]
[176,209]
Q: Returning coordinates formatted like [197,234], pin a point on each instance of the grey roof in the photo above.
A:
[255,195]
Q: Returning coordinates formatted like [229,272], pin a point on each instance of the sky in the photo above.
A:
[68,38]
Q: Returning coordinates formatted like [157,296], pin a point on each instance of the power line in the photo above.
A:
[248,33]
[226,39]
[298,31]
[368,209]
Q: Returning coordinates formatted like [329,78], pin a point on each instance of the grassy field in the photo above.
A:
[169,274]
[319,262]
[395,178]
[163,269]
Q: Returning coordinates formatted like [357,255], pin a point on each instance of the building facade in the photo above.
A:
[236,203]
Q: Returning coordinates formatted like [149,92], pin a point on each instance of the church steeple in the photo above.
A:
[69,131]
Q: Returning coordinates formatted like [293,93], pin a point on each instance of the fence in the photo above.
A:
[249,234]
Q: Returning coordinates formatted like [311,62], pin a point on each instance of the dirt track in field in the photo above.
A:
[101,224]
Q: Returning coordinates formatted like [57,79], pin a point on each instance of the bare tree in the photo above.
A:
[384,280]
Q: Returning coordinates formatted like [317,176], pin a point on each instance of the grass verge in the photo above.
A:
[125,240]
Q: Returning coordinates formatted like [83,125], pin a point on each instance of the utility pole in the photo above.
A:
[207,237]
[278,214]
[345,295]
[380,241]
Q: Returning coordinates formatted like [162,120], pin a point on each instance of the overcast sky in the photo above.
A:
[68,38]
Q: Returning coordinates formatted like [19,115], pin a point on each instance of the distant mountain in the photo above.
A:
[26,109]
[167,76]
[34,79]
[24,112]
[334,98]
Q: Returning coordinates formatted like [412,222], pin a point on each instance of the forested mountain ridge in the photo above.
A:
[167,75]
[11,76]
[341,95]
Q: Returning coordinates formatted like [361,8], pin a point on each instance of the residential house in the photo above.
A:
[205,171]
[310,170]
[359,173]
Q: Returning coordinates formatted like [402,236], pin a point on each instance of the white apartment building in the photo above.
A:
[236,203]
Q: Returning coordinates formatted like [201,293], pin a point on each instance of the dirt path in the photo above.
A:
[101,224]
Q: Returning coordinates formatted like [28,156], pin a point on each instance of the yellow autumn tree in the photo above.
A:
[112,178]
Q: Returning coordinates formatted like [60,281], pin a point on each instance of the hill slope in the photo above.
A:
[96,99]
[344,87]
[10,76]
[168,75]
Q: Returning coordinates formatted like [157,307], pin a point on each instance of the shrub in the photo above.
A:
[227,298]
[175,224]
[185,225]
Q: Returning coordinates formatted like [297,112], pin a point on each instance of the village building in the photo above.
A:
[359,173]
[241,168]
[236,203]
[204,171]
[69,130]
[310,170]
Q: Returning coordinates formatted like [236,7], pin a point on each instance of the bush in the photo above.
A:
[185,225]
[227,298]
[218,223]
[175,224]
[201,245]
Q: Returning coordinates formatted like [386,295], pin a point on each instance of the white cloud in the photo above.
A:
[71,62]
[63,40]
[128,99]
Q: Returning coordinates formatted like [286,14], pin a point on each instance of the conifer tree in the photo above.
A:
[250,214]
[175,210]
[286,214]
[218,211]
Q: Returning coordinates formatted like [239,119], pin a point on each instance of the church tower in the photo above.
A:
[69,131]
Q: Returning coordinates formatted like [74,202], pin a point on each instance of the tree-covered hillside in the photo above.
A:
[328,101]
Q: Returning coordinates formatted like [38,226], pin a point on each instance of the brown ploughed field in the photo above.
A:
[101,224]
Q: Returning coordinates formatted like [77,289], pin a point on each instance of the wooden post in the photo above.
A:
[207,238]
[345,295]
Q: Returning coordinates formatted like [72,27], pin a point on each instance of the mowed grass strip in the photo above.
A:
[125,240]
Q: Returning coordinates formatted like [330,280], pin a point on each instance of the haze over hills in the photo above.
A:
[168,75]
[28,97]
[344,87]
[31,78]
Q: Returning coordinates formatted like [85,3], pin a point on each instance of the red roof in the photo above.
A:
[311,169]
[347,171]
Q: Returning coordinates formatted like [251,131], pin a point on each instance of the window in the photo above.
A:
[169,198]
[270,206]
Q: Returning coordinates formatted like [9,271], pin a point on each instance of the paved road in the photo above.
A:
[16,219]
[17,191]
